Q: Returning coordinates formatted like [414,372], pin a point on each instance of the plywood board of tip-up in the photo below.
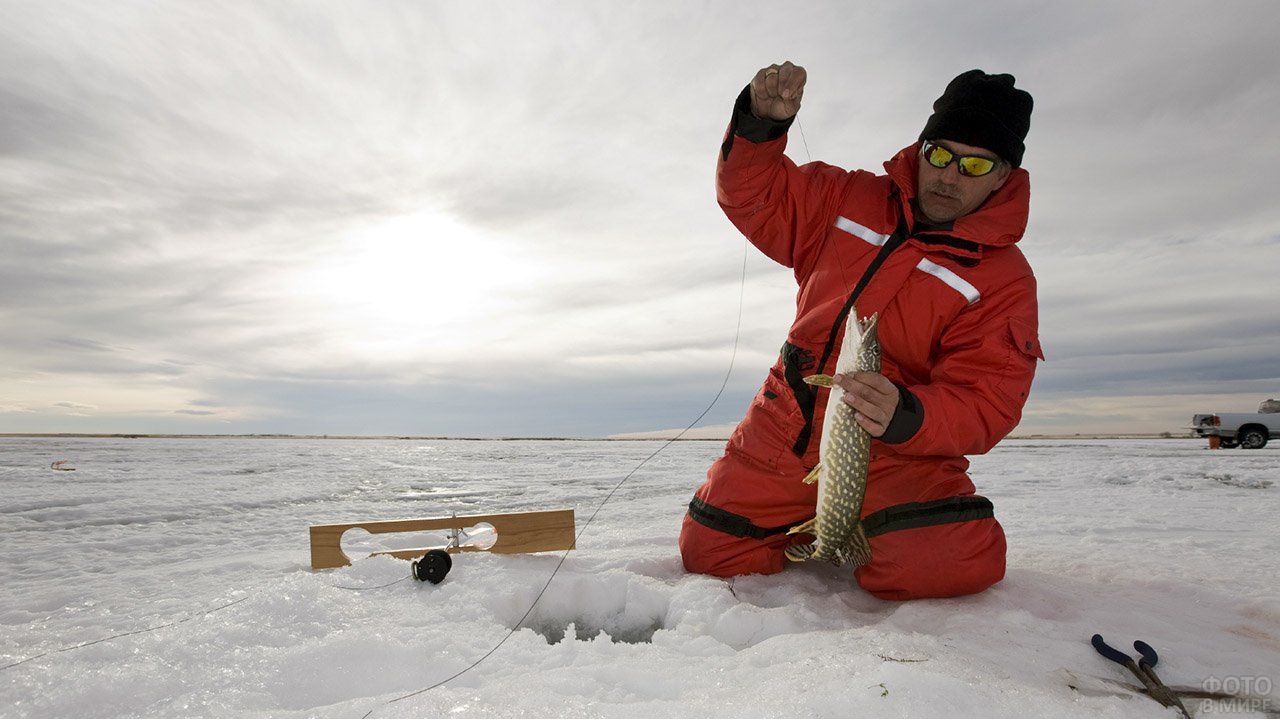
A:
[520,532]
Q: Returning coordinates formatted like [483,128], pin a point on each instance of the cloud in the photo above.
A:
[207,211]
[75,405]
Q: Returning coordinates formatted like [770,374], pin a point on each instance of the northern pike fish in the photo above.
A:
[843,455]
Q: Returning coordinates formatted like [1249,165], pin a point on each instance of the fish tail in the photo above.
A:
[859,547]
[803,551]
[800,553]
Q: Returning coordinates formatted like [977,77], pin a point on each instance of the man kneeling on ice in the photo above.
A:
[930,249]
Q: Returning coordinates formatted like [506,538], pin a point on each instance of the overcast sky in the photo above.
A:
[498,218]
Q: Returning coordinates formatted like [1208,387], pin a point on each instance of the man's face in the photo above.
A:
[944,194]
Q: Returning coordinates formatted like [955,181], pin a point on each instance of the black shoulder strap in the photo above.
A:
[892,243]
[807,397]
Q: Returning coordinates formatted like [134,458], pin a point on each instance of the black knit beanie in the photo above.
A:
[983,110]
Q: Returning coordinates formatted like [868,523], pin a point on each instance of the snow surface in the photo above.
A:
[1160,540]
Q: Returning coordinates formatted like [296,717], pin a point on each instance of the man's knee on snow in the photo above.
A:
[711,552]
[937,561]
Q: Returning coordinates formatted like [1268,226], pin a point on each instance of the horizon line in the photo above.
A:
[645,436]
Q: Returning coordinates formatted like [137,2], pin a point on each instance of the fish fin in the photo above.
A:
[820,379]
[804,527]
[859,547]
[800,553]
[812,477]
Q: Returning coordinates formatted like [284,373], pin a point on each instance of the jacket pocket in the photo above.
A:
[799,362]
[1022,352]
[1025,339]
[772,424]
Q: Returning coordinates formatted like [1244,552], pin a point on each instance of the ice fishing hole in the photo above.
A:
[618,632]
[621,607]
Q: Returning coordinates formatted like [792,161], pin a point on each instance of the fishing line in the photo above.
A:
[737,332]
[844,275]
[371,587]
[200,614]
[808,157]
[126,634]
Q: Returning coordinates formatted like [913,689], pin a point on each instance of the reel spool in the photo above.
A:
[432,567]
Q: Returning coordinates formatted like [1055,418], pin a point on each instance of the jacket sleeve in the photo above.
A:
[781,208]
[986,361]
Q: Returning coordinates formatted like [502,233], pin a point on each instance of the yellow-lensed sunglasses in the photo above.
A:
[970,165]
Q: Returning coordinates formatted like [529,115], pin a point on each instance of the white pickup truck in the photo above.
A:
[1246,430]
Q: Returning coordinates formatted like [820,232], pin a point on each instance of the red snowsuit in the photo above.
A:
[958,328]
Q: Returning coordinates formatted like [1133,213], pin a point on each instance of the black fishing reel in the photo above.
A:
[432,567]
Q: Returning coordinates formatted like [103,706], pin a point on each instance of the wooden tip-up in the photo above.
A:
[519,532]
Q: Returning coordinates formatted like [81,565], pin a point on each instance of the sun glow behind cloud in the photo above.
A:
[417,285]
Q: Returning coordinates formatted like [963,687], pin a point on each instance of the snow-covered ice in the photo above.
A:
[188,559]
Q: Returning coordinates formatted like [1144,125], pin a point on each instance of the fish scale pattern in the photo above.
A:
[842,463]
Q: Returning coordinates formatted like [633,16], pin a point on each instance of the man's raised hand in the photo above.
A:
[776,91]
